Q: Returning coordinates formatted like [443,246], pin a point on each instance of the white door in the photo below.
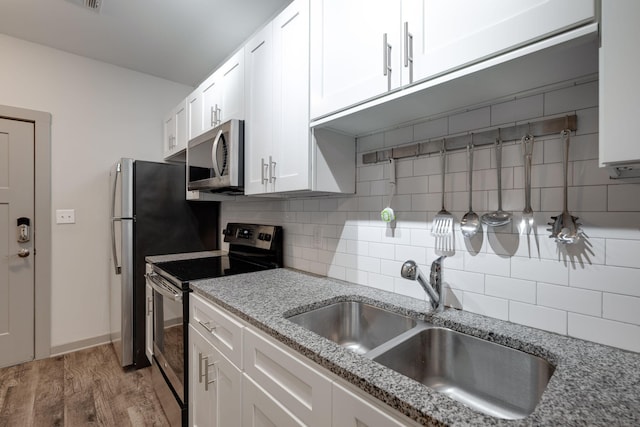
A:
[258,127]
[16,259]
[291,137]
[211,100]
[260,410]
[347,52]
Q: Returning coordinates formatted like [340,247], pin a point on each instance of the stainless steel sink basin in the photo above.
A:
[354,325]
[489,377]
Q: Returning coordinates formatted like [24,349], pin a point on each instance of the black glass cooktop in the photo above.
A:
[208,268]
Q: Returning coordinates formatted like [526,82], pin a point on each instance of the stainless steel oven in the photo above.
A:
[252,247]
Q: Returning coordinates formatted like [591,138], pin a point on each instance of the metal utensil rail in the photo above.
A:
[488,137]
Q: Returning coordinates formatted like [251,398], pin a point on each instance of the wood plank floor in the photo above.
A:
[84,388]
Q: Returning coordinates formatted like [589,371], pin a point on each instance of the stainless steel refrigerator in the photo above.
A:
[149,216]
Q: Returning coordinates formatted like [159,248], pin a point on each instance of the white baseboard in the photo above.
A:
[80,345]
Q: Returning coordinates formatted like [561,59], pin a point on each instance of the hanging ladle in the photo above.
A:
[470,222]
[499,217]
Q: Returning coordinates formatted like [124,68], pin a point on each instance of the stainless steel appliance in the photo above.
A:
[252,248]
[215,159]
[149,216]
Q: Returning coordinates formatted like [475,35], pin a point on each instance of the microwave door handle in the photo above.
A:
[214,152]
[116,264]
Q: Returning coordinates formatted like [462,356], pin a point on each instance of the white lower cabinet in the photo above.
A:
[259,409]
[350,410]
[270,385]
[215,385]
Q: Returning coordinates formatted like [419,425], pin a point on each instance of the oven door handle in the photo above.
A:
[163,289]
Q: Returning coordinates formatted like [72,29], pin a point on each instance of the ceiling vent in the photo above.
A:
[93,5]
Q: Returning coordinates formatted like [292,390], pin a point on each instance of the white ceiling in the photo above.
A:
[179,40]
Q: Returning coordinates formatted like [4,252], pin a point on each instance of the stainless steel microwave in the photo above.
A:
[215,159]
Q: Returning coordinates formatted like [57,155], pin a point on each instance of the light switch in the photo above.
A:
[65,216]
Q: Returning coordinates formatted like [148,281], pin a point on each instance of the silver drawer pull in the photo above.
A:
[205,325]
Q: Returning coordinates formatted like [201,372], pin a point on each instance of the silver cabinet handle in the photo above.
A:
[205,325]
[386,56]
[272,170]
[218,115]
[149,306]
[263,168]
[408,50]
[23,253]
[204,373]
[213,115]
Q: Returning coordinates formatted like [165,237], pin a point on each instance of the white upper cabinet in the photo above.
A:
[258,127]
[219,98]
[424,39]
[281,154]
[355,49]
[454,33]
[619,87]
[175,131]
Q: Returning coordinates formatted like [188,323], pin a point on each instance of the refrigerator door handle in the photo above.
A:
[116,263]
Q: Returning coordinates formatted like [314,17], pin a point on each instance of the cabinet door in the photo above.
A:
[291,138]
[294,383]
[181,127]
[169,134]
[260,410]
[194,114]
[148,340]
[348,54]
[619,88]
[211,90]
[215,385]
[232,85]
[350,410]
[258,127]
[454,33]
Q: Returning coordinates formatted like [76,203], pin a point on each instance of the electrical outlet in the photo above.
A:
[317,237]
[65,216]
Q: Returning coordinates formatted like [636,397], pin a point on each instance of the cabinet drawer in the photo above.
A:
[221,330]
[352,410]
[259,409]
[291,381]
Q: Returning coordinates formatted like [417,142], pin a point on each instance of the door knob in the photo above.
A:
[23,253]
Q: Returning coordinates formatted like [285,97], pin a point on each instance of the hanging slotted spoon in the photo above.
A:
[470,222]
[564,227]
[443,221]
[499,217]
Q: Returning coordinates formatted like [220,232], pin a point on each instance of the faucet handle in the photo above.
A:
[435,277]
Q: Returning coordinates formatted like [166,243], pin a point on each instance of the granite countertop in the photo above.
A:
[592,384]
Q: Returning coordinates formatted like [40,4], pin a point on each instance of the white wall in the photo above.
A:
[99,113]
[590,290]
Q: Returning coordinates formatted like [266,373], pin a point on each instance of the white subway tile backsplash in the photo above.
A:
[570,299]
[487,263]
[606,278]
[624,197]
[486,305]
[540,270]
[623,253]
[431,129]
[571,98]
[588,290]
[621,307]
[538,317]
[518,109]
[474,119]
[603,331]
[509,288]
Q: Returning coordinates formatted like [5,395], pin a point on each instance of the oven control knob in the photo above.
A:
[267,237]
[261,236]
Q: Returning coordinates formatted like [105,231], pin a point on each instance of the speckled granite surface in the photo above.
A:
[592,384]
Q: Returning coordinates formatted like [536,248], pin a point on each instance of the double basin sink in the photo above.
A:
[489,377]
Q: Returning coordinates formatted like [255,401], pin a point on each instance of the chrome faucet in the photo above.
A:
[433,287]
